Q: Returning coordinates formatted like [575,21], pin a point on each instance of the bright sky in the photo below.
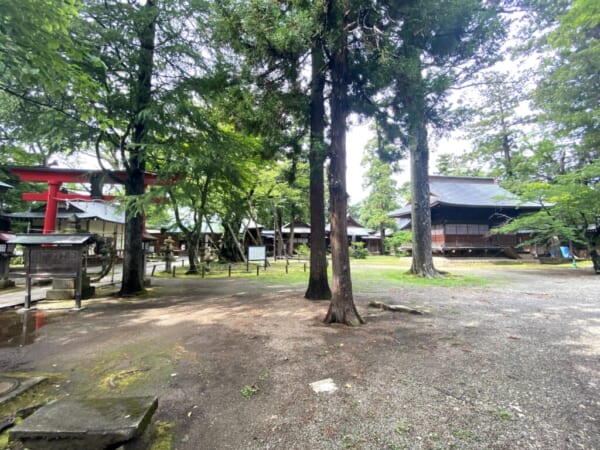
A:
[357,139]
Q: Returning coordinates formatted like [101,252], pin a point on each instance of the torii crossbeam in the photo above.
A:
[54,177]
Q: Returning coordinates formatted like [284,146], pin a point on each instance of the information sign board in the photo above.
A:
[257,253]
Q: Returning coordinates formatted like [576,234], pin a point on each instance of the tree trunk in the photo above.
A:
[382,237]
[592,247]
[341,308]
[193,240]
[133,276]
[506,150]
[238,246]
[318,284]
[422,258]
[291,239]
[595,260]
[132,280]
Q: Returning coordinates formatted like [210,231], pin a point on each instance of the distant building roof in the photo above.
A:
[107,212]
[4,186]
[250,225]
[58,239]
[353,228]
[299,228]
[468,192]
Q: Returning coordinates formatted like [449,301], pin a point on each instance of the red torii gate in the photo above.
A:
[54,177]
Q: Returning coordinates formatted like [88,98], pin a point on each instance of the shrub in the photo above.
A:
[358,250]
[303,250]
[398,239]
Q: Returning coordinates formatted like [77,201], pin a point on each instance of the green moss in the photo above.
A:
[132,369]
[122,379]
[27,402]
[4,443]
[163,436]
[39,394]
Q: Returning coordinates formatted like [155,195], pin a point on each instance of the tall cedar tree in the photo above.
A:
[342,308]
[318,285]
[431,52]
[135,164]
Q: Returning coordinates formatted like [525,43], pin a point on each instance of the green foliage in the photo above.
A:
[358,250]
[249,391]
[496,130]
[572,211]
[565,162]
[568,92]
[397,240]
[303,250]
[383,193]
[36,46]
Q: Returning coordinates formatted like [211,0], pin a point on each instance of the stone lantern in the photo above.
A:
[6,252]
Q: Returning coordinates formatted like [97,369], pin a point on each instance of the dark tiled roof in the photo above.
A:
[472,191]
[468,192]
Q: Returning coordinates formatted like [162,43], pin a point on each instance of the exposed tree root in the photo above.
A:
[318,291]
[398,308]
[347,316]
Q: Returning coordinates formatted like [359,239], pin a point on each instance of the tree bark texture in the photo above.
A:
[193,248]
[133,276]
[318,284]
[422,257]
[341,308]
[291,238]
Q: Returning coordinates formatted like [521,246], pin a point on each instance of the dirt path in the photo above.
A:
[512,365]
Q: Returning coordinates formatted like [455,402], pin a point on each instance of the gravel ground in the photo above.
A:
[514,364]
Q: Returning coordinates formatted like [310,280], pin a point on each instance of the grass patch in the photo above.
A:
[365,273]
[364,277]
[276,271]
[402,427]
[502,414]
[465,435]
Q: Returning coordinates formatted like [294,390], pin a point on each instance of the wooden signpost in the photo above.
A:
[54,256]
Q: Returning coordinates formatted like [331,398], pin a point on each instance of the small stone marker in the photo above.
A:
[86,423]
[326,385]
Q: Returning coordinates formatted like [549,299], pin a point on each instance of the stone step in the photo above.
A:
[69,283]
[64,294]
[85,423]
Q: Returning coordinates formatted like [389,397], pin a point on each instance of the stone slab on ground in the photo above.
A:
[10,387]
[326,385]
[85,423]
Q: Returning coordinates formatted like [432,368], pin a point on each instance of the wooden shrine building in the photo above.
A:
[464,211]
